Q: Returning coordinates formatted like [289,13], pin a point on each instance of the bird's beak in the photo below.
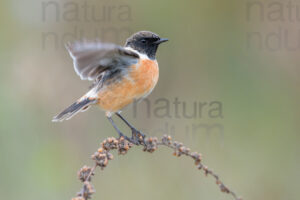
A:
[161,40]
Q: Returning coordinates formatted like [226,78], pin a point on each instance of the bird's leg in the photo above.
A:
[118,130]
[137,135]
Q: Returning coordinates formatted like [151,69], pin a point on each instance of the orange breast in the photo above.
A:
[140,81]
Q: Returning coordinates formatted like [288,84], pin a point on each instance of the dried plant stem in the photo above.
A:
[103,155]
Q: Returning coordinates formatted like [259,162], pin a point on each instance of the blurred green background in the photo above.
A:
[210,57]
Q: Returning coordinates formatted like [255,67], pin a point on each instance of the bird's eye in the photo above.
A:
[143,41]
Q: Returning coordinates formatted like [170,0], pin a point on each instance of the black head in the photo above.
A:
[145,42]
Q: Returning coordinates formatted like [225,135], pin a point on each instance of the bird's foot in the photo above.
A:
[137,137]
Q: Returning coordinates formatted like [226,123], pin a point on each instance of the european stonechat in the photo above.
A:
[120,75]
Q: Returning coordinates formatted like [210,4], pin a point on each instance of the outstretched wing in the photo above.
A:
[90,59]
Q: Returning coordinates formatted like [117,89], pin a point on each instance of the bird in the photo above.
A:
[120,76]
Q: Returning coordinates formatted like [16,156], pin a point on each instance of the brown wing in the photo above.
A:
[90,59]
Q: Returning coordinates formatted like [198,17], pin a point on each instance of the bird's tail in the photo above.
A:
[81,105]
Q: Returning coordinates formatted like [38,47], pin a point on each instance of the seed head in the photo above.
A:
[84,172]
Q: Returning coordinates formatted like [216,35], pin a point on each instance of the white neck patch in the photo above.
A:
[142,56]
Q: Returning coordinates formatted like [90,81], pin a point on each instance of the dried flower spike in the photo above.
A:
[103,155]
